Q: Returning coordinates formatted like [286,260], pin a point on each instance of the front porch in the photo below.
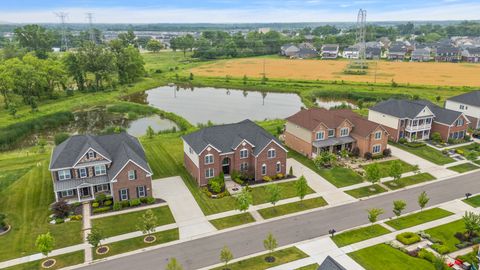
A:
[416,135]
[82,190]
[334,145]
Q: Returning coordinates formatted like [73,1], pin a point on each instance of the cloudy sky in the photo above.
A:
[236,11]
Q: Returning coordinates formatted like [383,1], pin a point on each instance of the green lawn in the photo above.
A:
[338,176]
[63,260]
[380,256]
[418,218]
[287,190]
[138,243]
[365,191]
[385,167]
[473,201]
[232,221]
[258,263]
[309,267]
[165,156]
[427,153]
[409,180]
[25,201]
[359,235]
[446,233]
[125,223]
[465,167]
[293,207]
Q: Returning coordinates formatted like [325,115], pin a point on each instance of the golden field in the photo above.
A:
[431,73]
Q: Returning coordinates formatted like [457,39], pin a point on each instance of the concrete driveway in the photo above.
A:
[189,217]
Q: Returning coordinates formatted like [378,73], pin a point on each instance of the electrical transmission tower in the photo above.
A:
[90,23]
[63,17]
[361,34]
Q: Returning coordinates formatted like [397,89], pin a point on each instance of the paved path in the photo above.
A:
[87,227]
[327,190]
[189,217]
[425,166]
[204,251]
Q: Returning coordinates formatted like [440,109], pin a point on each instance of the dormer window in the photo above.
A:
[90,155]
[320,135]
[343,132]
[331,133]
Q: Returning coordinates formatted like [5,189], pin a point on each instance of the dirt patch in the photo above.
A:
[430,73]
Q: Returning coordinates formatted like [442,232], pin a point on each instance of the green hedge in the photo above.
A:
[408,238]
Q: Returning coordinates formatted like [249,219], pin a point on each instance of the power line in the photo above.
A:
[63,17]
[90,23]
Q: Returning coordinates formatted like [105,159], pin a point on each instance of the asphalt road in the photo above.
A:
[205,251]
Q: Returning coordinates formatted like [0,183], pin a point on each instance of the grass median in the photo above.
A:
[359,235]
[465,167]
[366,191]
[289,208]
[232,221]
[418,218]
[62,261]
[409,180]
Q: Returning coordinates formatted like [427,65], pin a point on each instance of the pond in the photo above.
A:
[138,127]
[332,103]
[219,105]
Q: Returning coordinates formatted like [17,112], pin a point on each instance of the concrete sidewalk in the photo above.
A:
[189,217]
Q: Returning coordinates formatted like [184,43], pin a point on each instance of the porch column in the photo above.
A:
[56,196]
[111,189]
[93,194]
[78,193]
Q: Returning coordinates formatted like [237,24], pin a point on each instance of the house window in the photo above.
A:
[378,135]
[83,172]
[331,133]
[429,120]
[415,123]
[264,169]
[91,155]
[102,188]
[132,175]
[462,107]
[244,167]
[243,153]
[123,194]
[271,153]
[377,148]
[320,135]
[100,170]
[426,133]
[208,159]
[460,122]
[343,132]
[66,193]
[209,173]
[141,192]
[64,175]
[278,167]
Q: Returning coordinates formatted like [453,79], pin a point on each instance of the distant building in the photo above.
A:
[421,55]
[397,53]
[469,104]
[264,30]
[289,50]
[448,53]
[471,55]
[351,52]
[329,51]
[373,53]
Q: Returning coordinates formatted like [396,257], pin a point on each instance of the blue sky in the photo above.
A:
[217,11]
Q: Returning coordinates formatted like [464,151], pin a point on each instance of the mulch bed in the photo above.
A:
[102,250]
[48,263]
[149,239]
[5,230]
[270,259]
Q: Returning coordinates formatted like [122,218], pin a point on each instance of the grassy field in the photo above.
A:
[446,233]
[409,180]
[473,201]
[232,221]
[63,261]
[125,223]
[138,243]
[287,190]
[309,267]
[338,176]
[366,191]
[418,218]
[358,235]
[385,167]
[288,208]
[465,167]
[427,153]
[258,263]
[30,194]
[379,256]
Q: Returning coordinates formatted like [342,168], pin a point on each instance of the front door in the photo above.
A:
[226,165]
[85,191]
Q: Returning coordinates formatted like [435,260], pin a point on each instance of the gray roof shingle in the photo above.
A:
[442,115]
[119,148]
[330,264]
[400,108]
[471,98]
[226,137]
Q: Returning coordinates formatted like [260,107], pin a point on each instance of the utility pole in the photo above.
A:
[64,43]
[90,23]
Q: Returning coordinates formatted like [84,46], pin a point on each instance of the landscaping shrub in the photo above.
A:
[135,202]
[125,204]
[402,140]
[387,152]
[59,220]
[355,152]
[459,151]
[368,156]
[426,255]
[143,199]
[267,178]
[117,206]
[436,137]
[101,209]
[150,200]
[100,198]
[280,176]
[461,236]
[95,204]
[76,217]
[107,203]
[464,245]
[415,144]
[440,248]
[61,137]
[408,238]
[216,184]
[61,209]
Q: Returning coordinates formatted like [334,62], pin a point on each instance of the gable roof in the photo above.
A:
[330,264]
[227,137]
[400,108]
[330,47]
[442,115]
[311,118]
[363,126]
[118,148]
[471,98]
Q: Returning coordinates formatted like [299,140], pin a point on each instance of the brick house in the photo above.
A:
[448,53]
[418,119]
[84,166]
[244,147]
[315,130]
[468,104]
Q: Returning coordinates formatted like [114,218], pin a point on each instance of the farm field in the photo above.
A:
[451,74]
